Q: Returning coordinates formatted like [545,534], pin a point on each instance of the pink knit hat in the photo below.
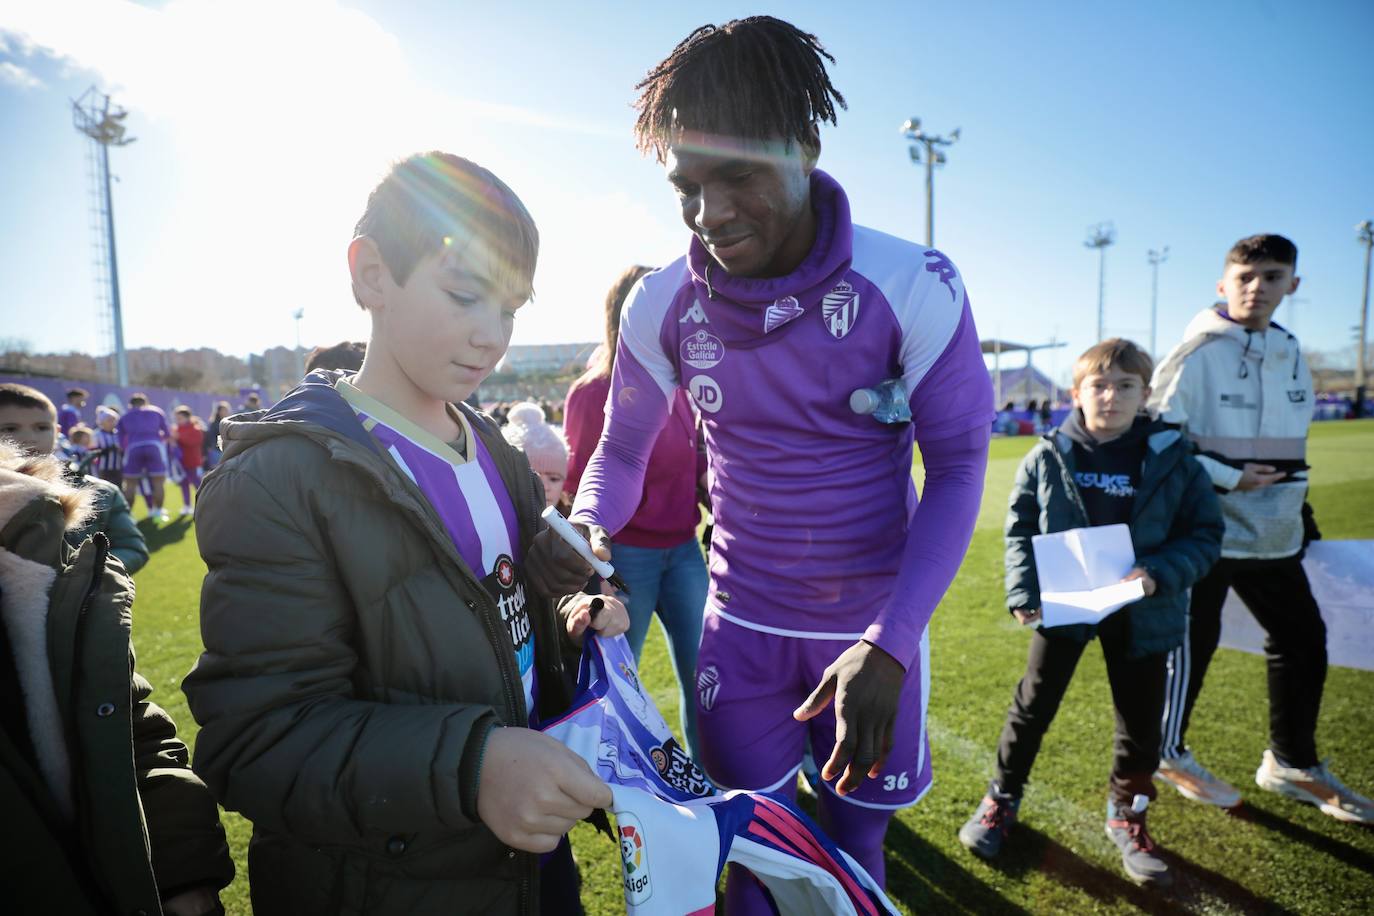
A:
[543,444]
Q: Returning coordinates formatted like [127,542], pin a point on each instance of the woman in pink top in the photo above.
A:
[656,552]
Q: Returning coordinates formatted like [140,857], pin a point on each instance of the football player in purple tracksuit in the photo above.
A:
[824,569]
[143,437]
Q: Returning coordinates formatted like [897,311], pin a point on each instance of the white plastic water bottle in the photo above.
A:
[885,402]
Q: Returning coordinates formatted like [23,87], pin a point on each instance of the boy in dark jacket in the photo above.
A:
[1106,464]
[102,813]
[378,614]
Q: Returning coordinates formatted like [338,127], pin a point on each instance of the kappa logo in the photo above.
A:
[840,309]
[708,687]
[634,857]
[780,312]
[702,349]
[696,314]
[505,571]
[706,392]
[939,264]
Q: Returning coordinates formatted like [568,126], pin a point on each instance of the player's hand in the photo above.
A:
[533,789]
[1257,476]
[598,538]
[866,684]
[611,620]
[1146,581]
[199,901]
[552,568]
[1027,617]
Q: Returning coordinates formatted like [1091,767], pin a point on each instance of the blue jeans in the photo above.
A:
[673,581]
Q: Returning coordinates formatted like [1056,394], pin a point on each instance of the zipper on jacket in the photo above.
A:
[102,551]
[1070,484]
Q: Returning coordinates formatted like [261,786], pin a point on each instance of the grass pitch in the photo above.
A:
[1273,856]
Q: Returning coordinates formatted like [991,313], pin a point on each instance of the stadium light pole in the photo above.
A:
[1365,232]
[920,140]
[1156,258]
[1099,237]
[298,314]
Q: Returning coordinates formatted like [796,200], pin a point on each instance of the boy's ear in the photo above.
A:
[1293,288]
[365,266]
[1221,288]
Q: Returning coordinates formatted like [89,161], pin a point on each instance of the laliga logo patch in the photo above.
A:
[634,857]
[780,312]
[708,687]
[840,309]
[702,349]
[505,571]
[706,393]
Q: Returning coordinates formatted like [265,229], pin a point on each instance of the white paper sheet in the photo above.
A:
[1080,574]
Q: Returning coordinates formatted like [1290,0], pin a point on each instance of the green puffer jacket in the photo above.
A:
[353,666]
[1176,527]
[102,813]
[114,519]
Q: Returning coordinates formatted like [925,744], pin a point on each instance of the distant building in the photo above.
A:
[535,359]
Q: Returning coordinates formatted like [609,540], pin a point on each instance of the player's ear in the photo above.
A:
[1293,287]
[365,266]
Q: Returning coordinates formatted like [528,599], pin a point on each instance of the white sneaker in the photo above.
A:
[186,510]
[1317,786]
[1195,781]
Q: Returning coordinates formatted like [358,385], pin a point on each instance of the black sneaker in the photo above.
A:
[985,831]
[1139,856]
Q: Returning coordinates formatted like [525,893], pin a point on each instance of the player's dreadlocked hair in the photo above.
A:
[758,78]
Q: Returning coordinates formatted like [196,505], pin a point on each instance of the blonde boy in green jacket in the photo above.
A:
[379,614]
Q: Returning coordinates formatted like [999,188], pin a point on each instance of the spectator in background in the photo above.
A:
[251,403]
[189,435]
[1046,416]
[346,354]
[108,463]
[29,420]
[143,437]
[212,451]
[103,811]
[79,446]
[543,445]
[656,552]
[69,414]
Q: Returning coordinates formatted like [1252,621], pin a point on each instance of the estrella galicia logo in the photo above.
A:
[696,314]
[634,857]
[780,312]
[505,571]
[708,687]
[701,349]
[840,309]
[1297,396]
[678,770]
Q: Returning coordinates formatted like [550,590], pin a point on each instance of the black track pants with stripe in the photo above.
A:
[1278,594]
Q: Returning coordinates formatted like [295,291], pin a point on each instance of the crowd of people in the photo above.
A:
[389,626]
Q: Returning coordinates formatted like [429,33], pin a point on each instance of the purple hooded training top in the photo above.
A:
[817,529]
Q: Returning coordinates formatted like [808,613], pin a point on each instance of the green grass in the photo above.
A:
[1275,856]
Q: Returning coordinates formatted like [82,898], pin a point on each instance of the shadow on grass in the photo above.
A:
[160,536]
[926,880]
[1196,889]
[1344,852]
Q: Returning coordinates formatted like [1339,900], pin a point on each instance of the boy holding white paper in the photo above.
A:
[1106,464]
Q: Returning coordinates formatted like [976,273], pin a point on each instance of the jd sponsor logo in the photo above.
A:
[840,309]
[634,856]
[1297,396]
[702,349]
[706,393]
[708,687]
[780,312]
[696,314]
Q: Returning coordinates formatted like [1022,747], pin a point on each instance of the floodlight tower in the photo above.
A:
[911,129]
[1365,232]
[1155,258]
[298,314]
[94,116]
[1099,237]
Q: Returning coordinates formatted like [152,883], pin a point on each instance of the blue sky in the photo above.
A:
[261,126]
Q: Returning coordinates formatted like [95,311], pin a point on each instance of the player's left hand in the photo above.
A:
[866,684]
[611,620]
[1146,581]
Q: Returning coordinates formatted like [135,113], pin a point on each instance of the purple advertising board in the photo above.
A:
[202,403]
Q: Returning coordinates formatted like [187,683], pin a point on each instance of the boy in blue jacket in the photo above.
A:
[1107,464]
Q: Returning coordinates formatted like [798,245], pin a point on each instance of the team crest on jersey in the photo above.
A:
[629,674]
[780,312]
[840,309]
[701,349]
[679,770]
[634,856]
[708,686]
[696,314]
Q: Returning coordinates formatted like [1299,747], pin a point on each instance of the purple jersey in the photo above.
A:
[814,504]
[142,426]
[67,417]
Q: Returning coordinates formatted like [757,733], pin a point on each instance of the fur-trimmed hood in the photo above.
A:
[25,479]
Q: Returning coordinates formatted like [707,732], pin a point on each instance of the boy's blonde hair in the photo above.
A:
[432,200]
[1114,353]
